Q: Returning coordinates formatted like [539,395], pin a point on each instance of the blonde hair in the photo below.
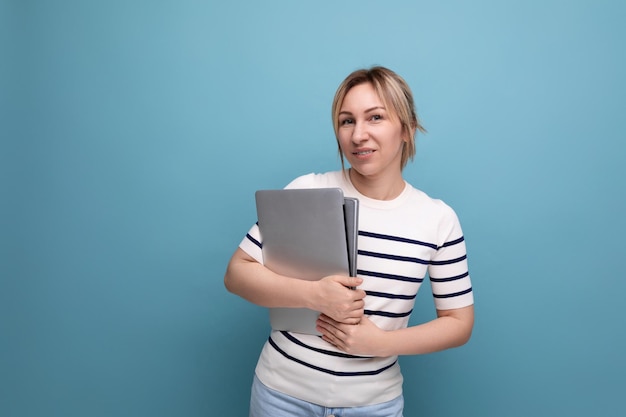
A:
[396,96]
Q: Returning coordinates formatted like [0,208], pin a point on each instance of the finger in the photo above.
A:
[328,331]
[333,326]
[324,317]
[330,334]
[330,340]
[356,313]
[326,321]
[350,282]
[358,295]
[352,318]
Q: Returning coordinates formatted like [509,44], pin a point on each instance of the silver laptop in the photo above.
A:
[306,234]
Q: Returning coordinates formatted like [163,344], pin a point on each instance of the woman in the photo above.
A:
[352,369]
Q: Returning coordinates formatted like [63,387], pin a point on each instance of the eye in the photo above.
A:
[346,121]
[376,117]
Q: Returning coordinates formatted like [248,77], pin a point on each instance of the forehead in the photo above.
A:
[362,96]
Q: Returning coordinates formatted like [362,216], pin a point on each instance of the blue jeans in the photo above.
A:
[266,402]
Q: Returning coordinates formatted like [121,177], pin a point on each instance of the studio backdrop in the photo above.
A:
[135,133]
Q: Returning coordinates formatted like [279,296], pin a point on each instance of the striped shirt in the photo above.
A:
[400,243]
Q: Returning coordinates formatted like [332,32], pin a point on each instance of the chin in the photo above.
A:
[364,172]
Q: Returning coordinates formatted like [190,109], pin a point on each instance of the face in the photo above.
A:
[371,139]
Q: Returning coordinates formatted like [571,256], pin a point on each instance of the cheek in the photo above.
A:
[343,139]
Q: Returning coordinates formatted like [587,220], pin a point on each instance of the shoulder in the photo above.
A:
[441,215]
[315,180]
[423,200]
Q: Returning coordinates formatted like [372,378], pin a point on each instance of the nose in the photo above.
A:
[359,133]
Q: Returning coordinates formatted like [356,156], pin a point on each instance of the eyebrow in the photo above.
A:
[366,111]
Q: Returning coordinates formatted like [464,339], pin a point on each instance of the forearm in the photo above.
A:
[259,285]
[448,330]
[331,295]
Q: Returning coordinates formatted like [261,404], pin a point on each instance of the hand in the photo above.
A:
[364,338]
[337,299]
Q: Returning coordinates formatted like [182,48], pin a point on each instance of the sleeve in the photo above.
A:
[448,270]
[252,244]
[304,181]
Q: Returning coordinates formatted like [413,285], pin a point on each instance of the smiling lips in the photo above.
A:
[362,153]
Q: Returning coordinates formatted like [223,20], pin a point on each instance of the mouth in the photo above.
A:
[362,153]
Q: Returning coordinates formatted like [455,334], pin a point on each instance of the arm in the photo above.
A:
[451,328]
[251,280]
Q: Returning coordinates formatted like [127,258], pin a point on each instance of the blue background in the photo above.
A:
[134,134]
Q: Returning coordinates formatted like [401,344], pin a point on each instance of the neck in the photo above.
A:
[380,188]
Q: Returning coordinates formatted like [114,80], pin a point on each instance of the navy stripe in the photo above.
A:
[388,276]
[253,240]
[387,295]
[387,313]
[452,243]
[449,261]
[393,257]
[328,371]
[454,294]
[397,239]
[450,278]
[324,351]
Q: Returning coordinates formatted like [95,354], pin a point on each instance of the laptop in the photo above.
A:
[306,234]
